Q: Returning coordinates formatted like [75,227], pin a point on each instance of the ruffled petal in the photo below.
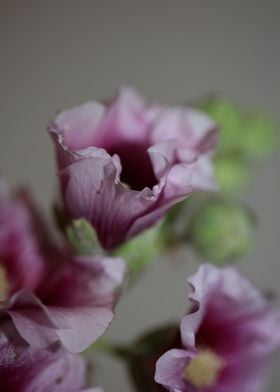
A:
[190,127]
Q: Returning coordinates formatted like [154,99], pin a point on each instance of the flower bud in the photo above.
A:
[221,230]
[251,134]
[83,238]
[229,117]
[259,136]
[231,172]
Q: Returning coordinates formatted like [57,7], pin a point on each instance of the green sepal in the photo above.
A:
[83,238]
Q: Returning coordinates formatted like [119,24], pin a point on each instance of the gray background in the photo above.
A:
[55,54]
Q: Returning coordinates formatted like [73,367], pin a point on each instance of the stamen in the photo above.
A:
[204,370]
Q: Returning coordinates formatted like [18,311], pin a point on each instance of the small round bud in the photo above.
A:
[221,230]
[259,136]
[231,172]
[229,117]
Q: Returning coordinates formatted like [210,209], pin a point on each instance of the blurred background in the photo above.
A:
[57,54]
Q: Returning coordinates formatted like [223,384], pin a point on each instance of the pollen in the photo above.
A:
[204,370]
[4,286]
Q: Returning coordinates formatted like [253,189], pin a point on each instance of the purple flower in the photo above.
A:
[50,294]
[27,369]
[227,340]
[122,166]
[21,261]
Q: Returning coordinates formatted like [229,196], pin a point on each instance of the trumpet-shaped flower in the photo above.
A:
[123,166]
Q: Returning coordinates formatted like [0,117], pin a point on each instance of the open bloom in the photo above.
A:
[27,369]
[122,166]
[50,294]
[227,340]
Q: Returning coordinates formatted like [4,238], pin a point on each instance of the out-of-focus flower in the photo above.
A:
[50,294]
[227,340]
[221,230]
[122,166]
[21,261]
[27,369]
[35,370]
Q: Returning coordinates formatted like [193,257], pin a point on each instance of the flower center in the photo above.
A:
[137,170]
[203,370]
[4,285]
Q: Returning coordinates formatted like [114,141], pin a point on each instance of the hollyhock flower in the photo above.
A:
[50,294]
[122,166]
[227,340]
[21,262]
[27,369]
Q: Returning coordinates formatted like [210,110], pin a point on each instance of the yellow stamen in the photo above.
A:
[4,286]
[204,370]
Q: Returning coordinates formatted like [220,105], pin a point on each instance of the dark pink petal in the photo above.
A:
[31,370]
[20,253]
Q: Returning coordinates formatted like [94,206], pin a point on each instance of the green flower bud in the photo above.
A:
[250,134]
[221,230]
[259,136]
[142,249]
[230,119]
[231,172]
[83,238]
